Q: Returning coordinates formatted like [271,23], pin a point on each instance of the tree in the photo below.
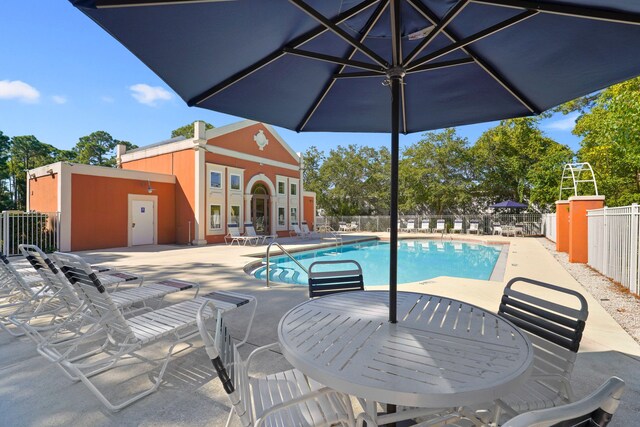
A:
[611,141]
[98,148]
[26,152]
[312,160]
[505,159]
[187,130]
[5,194]
[435,174]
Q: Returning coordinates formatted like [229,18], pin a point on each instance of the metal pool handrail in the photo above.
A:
[284,251]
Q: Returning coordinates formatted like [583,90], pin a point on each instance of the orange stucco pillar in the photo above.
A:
[578,225]
[562,226]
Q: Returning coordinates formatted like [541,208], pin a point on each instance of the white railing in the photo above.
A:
[614,244]
[549,226]
[36,228]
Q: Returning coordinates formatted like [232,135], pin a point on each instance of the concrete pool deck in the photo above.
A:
[34,393]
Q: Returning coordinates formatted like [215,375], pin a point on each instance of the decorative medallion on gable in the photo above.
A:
[261,139]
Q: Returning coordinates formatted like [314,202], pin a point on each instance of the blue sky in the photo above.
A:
[62,77]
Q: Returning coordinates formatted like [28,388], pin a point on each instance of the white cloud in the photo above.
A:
[107,99]
[566,124]
[59,99]
[16,89]
[149,95]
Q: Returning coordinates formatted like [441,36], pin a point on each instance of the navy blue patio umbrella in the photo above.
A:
[509,204]
[378,65]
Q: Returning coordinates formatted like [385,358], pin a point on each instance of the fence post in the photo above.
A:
[633,242]
[605,243]
[5,233]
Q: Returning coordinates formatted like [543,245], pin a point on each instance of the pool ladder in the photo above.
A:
[284,251]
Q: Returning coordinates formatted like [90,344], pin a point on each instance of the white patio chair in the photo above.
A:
[59,286]
[440,226]
[519,229]
[234,235]
[305,230]
[323,282]
[496,228]
[250,231]
[354,226]
[474,227]
[125,336]
[555,331]
[343,226]
[411,226]
[424,226]
[595,410]
[287,398]
[457,226]
[297,232]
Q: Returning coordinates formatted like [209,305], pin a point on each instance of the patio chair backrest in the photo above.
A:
[440,224]
[425,224]
[94,295]
[9,274]
[473,224]
[234,230]
[457,224]
[296,228]
[595,410]
[335,281]
[249,230]
[229,365]
[555,330]
[305,227]
[50,274]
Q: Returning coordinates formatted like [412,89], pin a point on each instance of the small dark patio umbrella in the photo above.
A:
[378,65]
[509,204]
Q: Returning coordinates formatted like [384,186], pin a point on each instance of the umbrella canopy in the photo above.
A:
[378,65]
[509,204]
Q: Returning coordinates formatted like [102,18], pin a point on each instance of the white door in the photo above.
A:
[142,222]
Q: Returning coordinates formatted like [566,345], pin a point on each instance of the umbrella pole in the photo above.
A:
[393,239]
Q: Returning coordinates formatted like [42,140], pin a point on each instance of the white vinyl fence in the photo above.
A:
[614,240]
[549,226]
[37,228]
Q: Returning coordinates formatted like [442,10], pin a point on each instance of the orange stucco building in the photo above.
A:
[178,191]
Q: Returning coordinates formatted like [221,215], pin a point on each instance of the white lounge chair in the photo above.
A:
[343,226]
[555,331]
[297,232]
[125,336]
[440,226]
[305,230]
[596,409]
[424,226]
[250,231]
[354,226]
[474,227]
[457,226]
[234,236]
[519,229]
[496,228]
[287,398]
[411,226]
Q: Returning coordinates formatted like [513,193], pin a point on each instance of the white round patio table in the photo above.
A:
[442,353]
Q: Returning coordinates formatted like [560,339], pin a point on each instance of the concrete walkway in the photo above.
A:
[35,393]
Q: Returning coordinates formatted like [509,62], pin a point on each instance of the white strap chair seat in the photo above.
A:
[282,387]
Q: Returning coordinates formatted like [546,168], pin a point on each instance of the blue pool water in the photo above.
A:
[418,260]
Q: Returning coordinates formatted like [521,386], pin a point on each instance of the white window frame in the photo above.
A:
[221,175]
[282,224]
[284,187]
[235,190]
[293,185]
[239,206]
[292,210]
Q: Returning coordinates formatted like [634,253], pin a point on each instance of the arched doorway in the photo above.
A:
[260,208]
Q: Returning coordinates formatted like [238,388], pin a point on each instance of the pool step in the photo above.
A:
[278,274]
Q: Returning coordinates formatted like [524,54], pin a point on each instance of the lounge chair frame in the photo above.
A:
[323,283]
[233,235]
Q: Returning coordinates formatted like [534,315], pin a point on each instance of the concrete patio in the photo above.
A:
[35,393]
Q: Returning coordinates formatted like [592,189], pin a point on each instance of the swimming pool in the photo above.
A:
[418,260]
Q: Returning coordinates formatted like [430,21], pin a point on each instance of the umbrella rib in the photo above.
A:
[443,64]
[114,4]
[372,21]
[356,75]
[439,27]
[299,41]
[501,80]
[339,32]
[568,10]
[334,59]
[473,38]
